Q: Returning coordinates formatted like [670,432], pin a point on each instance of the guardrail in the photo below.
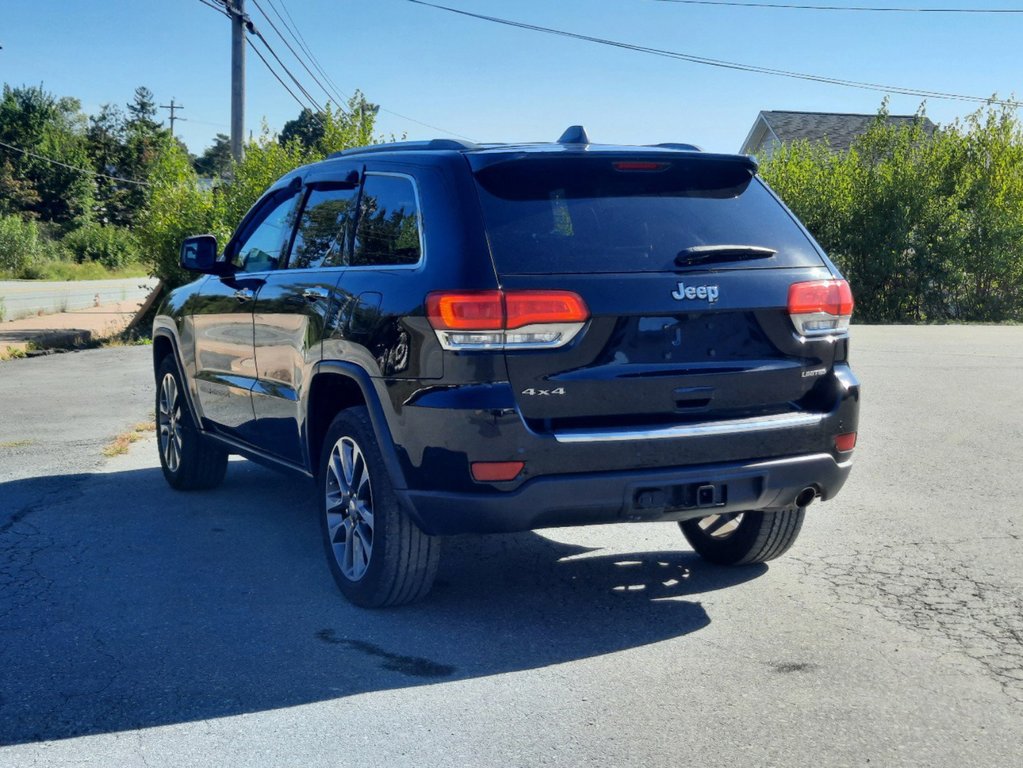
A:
[23,298]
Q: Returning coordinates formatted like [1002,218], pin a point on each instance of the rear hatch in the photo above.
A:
[684,261]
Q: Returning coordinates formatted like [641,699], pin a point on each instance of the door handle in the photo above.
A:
[313,294]
[243,294]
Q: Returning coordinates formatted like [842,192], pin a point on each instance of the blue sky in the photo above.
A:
[494,83]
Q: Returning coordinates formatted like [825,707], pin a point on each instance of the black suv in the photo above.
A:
[480,338]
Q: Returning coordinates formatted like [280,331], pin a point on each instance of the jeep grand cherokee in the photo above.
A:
[459,338]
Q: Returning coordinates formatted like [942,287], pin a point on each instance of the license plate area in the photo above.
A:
[651,501]
[682,496]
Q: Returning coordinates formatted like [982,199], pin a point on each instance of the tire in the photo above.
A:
[742,538]
[377,555]
[190,461]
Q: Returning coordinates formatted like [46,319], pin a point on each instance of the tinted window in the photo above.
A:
[262,248]
[388,229]
[586,215]
[323,229]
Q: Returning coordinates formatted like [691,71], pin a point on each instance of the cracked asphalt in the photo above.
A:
[139,626]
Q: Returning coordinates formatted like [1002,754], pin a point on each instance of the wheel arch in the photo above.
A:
[337,385]
[165,343]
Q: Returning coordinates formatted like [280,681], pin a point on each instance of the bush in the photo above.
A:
[927,228]
[111,246]
[180,206]
[19,244]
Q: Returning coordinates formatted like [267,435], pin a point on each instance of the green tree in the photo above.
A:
[180,206]
[49,134]
[216,160]
[306,129]
[106,138]
[145,142]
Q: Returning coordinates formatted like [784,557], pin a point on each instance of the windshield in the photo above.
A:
[586,215]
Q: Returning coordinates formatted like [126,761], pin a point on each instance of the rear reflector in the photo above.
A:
[821,307]
[488,320]
[496,471]
[845,443]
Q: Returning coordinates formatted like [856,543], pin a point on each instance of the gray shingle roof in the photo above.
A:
[838,129]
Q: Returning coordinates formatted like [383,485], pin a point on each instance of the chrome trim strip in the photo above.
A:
[732,427]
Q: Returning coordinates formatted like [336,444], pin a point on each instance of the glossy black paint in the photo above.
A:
[260,349]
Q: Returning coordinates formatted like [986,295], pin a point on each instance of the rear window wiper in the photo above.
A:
[704,254]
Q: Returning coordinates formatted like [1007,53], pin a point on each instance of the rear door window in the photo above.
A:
[388,232]
[586,215]
[323,228]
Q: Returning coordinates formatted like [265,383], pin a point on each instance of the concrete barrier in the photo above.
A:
[23,298]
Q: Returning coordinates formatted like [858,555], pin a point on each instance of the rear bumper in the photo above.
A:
[647,495]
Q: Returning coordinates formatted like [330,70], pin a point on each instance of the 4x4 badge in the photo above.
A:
[708,292]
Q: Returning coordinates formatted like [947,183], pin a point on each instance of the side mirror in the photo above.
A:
[199,254]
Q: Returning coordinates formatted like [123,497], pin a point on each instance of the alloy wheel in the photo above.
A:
[349,508]
[168,419]
[721,526]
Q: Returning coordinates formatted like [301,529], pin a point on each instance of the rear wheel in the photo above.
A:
[190,461]
[377,555]
[740,538]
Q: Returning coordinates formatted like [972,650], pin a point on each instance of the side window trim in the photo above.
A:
[299,212]
[419,222]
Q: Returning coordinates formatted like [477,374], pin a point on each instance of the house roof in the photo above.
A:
[837,129]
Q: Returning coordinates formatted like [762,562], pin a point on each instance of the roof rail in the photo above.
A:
[682,147]
[408,146]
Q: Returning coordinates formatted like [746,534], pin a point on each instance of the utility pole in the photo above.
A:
[239,21]
[172,107]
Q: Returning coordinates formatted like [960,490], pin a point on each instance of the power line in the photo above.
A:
[867,9]
[300,39]
[301,42]
[298,58]
[216,7]
[287,71]
[219,7]
[723,64]
[73,167]
[262,58]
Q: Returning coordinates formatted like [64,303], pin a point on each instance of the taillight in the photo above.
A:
[476,310]
[475,320]
[821,307]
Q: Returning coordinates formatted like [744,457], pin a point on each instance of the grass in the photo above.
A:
[16,443]
[70,270]
[120,444]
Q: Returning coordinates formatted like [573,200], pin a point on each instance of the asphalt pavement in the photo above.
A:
[141,626]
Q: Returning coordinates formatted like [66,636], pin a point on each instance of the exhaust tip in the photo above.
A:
[806,496]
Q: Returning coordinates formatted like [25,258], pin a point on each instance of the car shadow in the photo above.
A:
[126,605]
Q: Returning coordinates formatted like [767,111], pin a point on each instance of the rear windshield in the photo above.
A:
[604,215]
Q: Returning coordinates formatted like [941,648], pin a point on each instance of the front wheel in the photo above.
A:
[190,461]
[377,555]
[741,538]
